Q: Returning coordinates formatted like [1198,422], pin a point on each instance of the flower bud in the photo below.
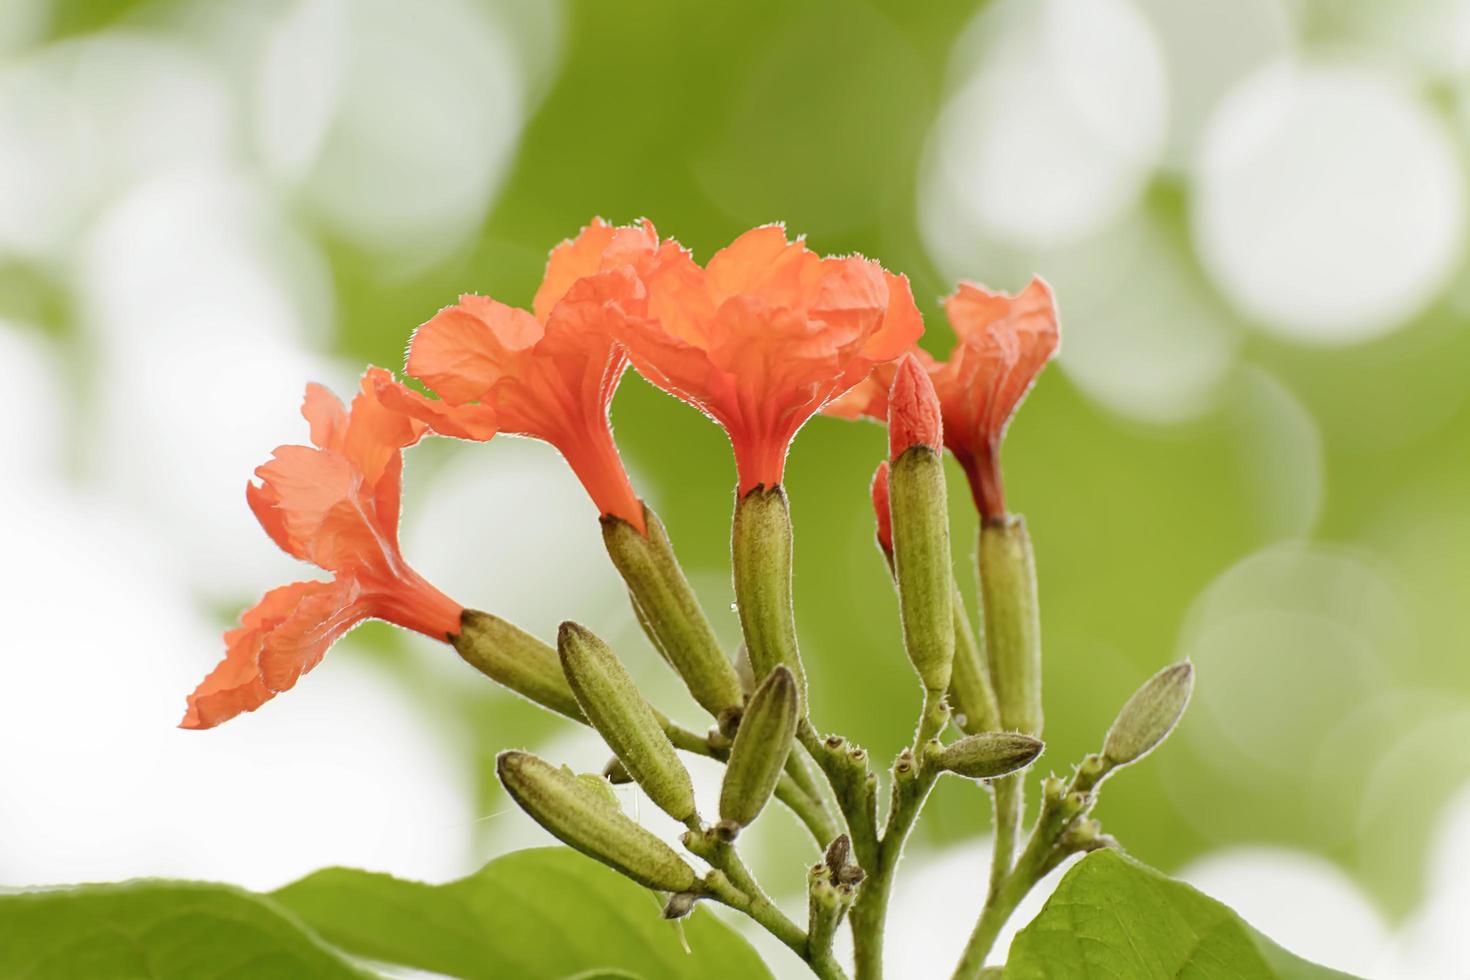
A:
[762,744]
[611,701]
[1150,715]
[669,612]
[1012,624]
[576,815]
[515,659]
[882,511]
[969,683]
[760,551]
[744,669]
[914,416]
[600,788]
[920,515]
[988,755]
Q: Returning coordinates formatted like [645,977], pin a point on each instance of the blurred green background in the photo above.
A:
[1254,450]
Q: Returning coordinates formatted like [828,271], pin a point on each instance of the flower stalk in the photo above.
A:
[671,615]
[515,659]
[761,547]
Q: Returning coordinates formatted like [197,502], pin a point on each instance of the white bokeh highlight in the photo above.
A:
[428,107]
[1206,46]
[197,340]
[297,86]
[1152,345]
[1055,130]
[1291,639]
[82,120]
[36,415]
[1303,902]
[506,527]
[102,645]
[1328,202]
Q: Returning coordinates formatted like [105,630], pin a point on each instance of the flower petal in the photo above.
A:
[326,416]
[236,685]
[767,335]
[297,641]
[473,421]
[377,433]
[465,349]
[902,324]
[262,501]
[599,247]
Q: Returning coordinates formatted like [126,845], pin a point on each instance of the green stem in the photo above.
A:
[799,768]
[846,769]
[912,781]
[932,721]
[866,921]
[970,688]
[811,812]
[997,911]
[732,884]
[1008,799]
[809,809]
[1045,849]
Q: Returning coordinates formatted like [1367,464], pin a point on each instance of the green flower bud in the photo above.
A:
[1150,715]
[515,659]
[1012,625]
[611,701]
[575,814]
[762,743]
[988,755]
[760,551]
[969,683]
[669,612]
[921,563]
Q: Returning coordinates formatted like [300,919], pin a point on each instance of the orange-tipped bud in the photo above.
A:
[914,417]
[881,509]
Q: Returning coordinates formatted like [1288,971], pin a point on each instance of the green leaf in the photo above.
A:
[543,914]
[158,930]
[1112,917]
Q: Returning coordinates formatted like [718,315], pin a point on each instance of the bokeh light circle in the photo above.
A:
[1057,129]
[1328,203]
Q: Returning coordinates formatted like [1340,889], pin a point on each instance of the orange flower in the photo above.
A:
[549,373]
[336,506]
[765,335]
[1004,342]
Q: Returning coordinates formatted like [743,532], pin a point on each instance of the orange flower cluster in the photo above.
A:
[761,338]
[1003,343]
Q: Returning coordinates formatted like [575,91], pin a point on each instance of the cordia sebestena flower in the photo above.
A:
[334,504]
[548,373]
[764,335]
